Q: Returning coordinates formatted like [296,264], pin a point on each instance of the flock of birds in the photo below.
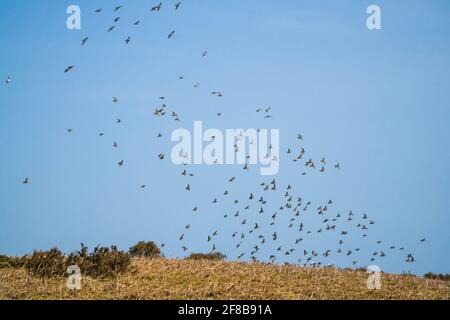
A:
[253,212]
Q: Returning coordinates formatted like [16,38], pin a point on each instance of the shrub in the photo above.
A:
[434,276]
[213,256]
[102,262]
[46,264]
[145,249]
[11,262]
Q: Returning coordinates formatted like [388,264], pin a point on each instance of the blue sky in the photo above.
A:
[374,101]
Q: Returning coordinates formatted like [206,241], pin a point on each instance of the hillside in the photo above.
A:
[187,279]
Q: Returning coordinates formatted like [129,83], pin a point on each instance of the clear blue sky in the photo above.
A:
[375,101]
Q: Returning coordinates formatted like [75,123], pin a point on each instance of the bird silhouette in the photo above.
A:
[171,34]
[69,68]
[157,8]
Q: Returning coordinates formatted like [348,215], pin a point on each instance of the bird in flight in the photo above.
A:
[98,10]
[171,34]
[177,6]
[117,8]
[127,41]
[120,164]
[8,80]
[115,100]
[26,181]
[137,22]
[83,41]
[157,8]
[205,54]
[111,28]
[69,68]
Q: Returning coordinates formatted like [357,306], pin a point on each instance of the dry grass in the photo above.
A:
[186,279]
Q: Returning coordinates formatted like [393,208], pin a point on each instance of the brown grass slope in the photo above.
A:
[190,279]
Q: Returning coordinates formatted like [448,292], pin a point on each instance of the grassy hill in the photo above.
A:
[189,279]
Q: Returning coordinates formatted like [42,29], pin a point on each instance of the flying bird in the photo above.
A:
[171,34]
[69,68]
[157,8]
